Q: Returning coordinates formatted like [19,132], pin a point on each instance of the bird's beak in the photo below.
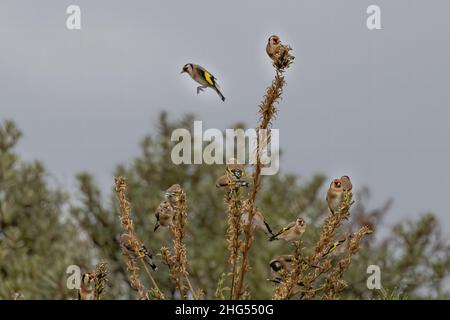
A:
[182,71]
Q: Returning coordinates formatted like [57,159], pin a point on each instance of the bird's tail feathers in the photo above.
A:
[219,93]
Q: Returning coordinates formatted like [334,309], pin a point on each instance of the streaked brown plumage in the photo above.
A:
[164,214]
[173,194]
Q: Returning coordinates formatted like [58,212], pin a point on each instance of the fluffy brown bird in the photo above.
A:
[173,194]
[335,195]
[128,248]
[293,231]
[164,214]
[86,291]
[273,46]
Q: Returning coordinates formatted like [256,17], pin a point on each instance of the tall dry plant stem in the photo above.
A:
[177,261]
[128,227]
[267,112]
[233,201]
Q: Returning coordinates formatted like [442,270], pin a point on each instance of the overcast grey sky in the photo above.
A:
[370,104]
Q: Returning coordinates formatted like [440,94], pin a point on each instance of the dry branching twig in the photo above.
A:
[267,112]
[177,261]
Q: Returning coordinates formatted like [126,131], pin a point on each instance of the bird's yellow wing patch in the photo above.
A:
[208,78]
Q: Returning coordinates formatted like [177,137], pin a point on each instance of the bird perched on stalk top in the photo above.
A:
[335,194]
[273,46]
[202,76]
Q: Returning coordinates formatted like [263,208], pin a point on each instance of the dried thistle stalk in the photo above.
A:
[178,262]
[267,112]
[234,204]
[128,227]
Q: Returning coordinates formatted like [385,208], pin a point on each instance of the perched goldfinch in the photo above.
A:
[336,245]
[164,214]
[202,76]
[125,242]
[86,291]
[258,222]
[273,46]
[173,194]
[335,195]
[293,231]
[230,182]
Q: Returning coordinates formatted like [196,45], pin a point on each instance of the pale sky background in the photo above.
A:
[370,104]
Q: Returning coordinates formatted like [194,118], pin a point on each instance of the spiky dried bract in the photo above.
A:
[283,58]
[101,277]
[267,112]
[134,243]
[334,283]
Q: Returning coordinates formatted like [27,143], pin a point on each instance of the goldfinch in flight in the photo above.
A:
[335,193]
[86,291]
[273,46]
[125,242]
[202,76]
[258,222]
[164,214]
[293,231]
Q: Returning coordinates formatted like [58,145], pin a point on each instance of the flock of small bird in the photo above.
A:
[207,80]
[232,180]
